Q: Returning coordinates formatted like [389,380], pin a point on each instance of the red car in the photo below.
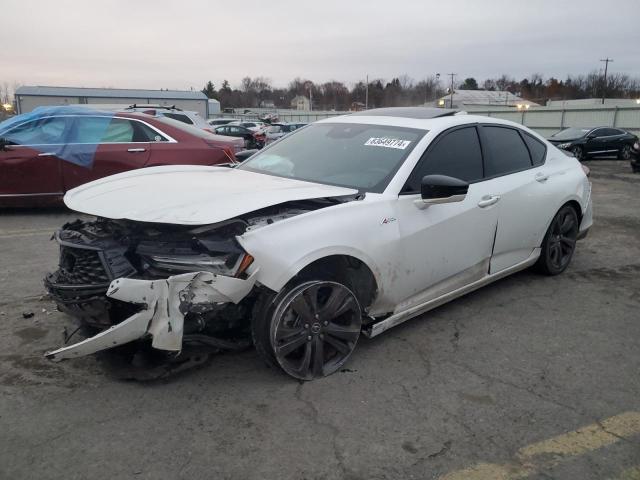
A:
[49,151]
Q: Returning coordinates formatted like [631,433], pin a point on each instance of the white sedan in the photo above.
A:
[351,225]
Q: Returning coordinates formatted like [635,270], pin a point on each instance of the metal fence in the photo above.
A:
[544,120]
[547,121]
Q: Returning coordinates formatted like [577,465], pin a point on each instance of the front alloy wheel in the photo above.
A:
[625,152]
[578,152]
[314,329]
[559,242]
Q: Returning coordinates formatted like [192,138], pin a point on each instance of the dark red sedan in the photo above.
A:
[49,151]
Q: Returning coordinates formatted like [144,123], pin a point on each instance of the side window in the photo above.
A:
[44,131]
[599,132]
[457,154]
[507,151]
[537,149]
[180,117]
[613,131]
[144,133]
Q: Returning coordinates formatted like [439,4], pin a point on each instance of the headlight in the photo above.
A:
[231,264]
[564,145]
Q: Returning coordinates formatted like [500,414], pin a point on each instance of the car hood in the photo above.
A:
[190,195]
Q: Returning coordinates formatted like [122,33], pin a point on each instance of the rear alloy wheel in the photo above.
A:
[314,328]
[559,242]
[578,152]
[625,152]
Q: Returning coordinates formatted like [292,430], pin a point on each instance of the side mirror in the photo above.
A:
[436,189]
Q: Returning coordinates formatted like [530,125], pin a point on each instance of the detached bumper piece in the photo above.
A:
[163,305]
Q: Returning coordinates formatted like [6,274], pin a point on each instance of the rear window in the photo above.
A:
[507,151]
[180,117]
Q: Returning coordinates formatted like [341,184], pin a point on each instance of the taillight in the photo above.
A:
[586,170]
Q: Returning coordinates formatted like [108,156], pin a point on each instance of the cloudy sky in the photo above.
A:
[182,44]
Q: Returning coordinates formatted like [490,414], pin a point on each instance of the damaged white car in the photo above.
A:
[351,225]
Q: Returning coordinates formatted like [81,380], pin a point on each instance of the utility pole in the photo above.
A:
[451,92]
[366,94]
[604,86]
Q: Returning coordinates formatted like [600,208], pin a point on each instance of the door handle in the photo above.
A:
[488,200]
[47,154]
[541,177]
[136,150]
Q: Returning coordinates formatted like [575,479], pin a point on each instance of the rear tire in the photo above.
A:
[559,242]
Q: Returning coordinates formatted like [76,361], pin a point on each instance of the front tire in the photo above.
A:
[578,152]
[625,152]
[559,242]
[309,330]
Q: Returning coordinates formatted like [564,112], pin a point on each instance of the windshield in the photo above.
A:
[364,157]
[569,133]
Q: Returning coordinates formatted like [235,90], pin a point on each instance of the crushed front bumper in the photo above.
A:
[164,304]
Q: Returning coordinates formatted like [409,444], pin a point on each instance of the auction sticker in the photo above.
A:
[388,143]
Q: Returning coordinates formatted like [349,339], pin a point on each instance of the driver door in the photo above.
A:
[445,246]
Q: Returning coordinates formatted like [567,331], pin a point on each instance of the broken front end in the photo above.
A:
[156,284]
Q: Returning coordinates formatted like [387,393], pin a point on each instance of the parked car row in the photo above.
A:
[47,152]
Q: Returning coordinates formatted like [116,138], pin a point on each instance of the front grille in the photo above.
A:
[79,266]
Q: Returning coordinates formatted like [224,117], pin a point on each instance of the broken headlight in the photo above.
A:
[231,264]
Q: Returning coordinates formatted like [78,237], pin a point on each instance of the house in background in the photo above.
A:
[300,102]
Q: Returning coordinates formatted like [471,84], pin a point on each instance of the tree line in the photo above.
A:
[405,91]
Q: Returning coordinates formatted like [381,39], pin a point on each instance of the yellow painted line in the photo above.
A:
[550,452]
[587,438]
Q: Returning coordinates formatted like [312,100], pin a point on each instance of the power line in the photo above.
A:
[451,100]
[606,66]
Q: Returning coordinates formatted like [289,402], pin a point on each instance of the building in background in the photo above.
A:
[29,97]
[470,99]
[214,107]
[300,102]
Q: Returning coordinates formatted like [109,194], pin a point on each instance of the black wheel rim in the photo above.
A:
[315,328]
[562,240]
[626,152]
[577,152]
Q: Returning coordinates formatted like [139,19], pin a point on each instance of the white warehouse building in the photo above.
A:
[30,97]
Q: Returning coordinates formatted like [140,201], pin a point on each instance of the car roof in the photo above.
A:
[407,112]
[435,124]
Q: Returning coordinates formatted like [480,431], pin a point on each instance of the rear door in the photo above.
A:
[119,144]
[31,165]
[515,174]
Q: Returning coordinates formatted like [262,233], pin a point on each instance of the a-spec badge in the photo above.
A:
[386,220]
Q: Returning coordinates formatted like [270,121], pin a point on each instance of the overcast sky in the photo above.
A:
[182,44]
